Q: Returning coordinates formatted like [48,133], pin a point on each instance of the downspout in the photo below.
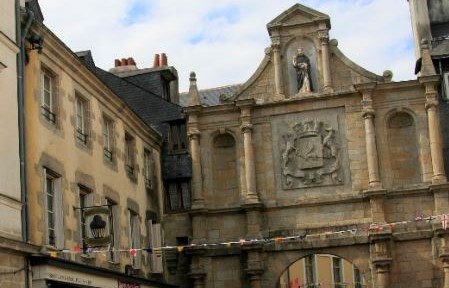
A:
[20,39]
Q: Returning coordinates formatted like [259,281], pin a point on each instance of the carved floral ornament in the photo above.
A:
[310,155]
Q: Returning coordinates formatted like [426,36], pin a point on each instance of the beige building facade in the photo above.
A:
[91,161]
[13,246]
[315,155]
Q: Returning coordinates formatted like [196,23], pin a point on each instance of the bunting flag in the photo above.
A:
[360,229]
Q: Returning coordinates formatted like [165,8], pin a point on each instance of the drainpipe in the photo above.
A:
[20,39]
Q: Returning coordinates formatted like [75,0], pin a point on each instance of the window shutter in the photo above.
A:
[59,219]
[116,235]
[157,240]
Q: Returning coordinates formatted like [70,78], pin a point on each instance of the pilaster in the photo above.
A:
[370,135]
[381,259]
[250,170]
[278,79]
[323,36]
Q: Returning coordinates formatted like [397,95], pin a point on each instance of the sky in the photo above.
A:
[223,41]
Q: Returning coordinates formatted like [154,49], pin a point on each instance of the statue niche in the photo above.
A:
[310,155]
[301,63]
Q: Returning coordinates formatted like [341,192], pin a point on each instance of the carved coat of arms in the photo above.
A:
[310,155]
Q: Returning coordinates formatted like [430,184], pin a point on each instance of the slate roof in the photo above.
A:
[154,110]
[210,97]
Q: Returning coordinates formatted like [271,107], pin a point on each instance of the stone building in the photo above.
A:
[95,198]
[315,155]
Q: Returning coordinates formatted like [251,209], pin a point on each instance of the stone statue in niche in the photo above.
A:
[301,63]
[310,155]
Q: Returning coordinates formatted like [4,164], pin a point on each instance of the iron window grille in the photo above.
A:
[50,116]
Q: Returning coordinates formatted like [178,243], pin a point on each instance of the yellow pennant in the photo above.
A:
[53,254]
[180,248]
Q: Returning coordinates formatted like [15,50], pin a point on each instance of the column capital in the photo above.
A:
[194,134]
[246,127]
[323,36]
[276,46]
[368,113]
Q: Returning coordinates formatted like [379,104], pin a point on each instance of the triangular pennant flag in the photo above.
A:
[180,248]
[77,248]
[133,252]
[53,254]
[149,250]
[444,221]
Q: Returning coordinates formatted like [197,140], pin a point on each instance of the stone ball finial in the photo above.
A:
[334,42]
[192,76]
[388,75]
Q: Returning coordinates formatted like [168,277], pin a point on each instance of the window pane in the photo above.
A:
[173,196]
[185,188]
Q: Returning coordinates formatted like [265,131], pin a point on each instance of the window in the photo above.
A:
[358,280]
[113,254]
[337,272]
[129,155]
[177,138]
[53,206]
[48,96]
[166,90]
[310,271]
[178,195]
[81,119]
[155,237]
[108,127]
[148,168]
[86,200]
[134,238]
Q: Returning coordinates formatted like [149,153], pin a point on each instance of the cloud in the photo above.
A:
[223,41]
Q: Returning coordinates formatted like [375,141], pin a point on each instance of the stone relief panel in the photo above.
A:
[309,149]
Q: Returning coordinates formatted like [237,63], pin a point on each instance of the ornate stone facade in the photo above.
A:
[343,170]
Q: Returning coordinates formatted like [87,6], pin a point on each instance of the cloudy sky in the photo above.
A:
[223,41]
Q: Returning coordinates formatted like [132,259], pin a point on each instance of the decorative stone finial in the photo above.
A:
[194,97]
[388,75]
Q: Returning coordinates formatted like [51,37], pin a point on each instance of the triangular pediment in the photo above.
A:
[298,15]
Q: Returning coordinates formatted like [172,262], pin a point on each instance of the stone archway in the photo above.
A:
[324,271]
[279,261]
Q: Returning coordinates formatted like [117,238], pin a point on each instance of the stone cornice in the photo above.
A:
[18,246]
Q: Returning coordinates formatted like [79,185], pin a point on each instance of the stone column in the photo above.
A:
[255,268]
[250,169]
[323,35]
[197,179]
[380,255]
[436,148]
[278,80]
[370,134]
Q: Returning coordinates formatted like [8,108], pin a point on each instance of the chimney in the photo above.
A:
[156,61]
[131,61]
[124,62]
[163,60]
[117,63]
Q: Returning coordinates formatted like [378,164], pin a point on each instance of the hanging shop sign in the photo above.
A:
[98,226]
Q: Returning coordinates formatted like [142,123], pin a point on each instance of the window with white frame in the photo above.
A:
[114,228]
[178,194]
[85,201]
[310,271]
[53,208]
[155,239]
[134,237]
[130,146]
[148,168]
[108,126]
[81,111]
[337,270]
[48,95]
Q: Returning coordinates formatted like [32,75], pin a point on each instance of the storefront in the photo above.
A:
[56,273]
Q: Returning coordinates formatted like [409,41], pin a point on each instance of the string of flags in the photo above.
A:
[375,227]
